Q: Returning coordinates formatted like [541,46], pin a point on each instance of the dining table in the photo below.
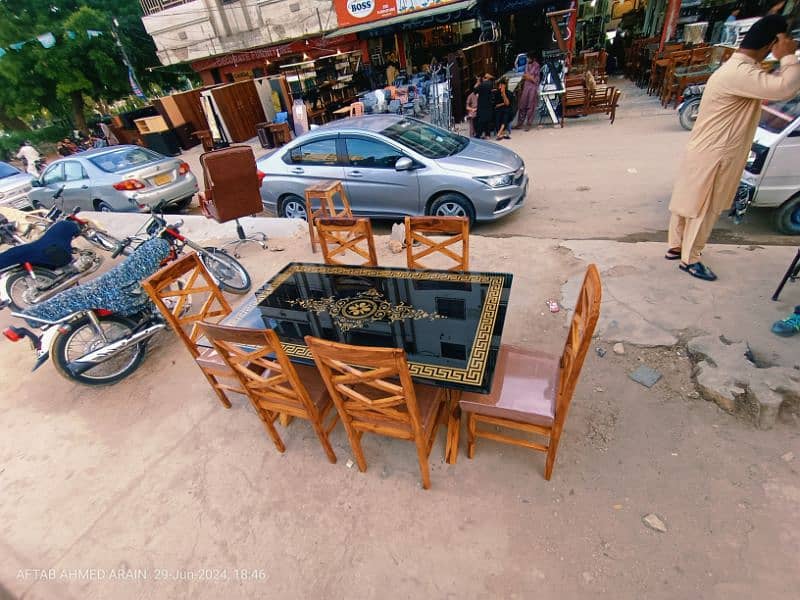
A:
[449,323]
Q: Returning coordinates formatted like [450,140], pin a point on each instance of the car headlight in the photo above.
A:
[497,181]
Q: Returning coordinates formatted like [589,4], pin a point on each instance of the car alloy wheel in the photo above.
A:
[450,209]
[294,209]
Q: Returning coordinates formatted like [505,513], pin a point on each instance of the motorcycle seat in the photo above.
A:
[118,290]
[52,250]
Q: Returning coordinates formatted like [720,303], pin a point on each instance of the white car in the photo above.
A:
[14,187]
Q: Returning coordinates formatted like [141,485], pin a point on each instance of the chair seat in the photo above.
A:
[524,390]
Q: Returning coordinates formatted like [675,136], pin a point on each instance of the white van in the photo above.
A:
[772,175]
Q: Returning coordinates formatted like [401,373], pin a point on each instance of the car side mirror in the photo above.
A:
[36,183]
[404,164]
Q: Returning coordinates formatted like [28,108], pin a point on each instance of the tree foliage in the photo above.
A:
[77,66]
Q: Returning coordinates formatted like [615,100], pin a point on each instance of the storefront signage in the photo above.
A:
[356,12]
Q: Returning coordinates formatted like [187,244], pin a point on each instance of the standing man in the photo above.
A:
[30,155]
[722,136]
[530,93]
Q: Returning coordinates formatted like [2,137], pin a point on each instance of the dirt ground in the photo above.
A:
[150,489]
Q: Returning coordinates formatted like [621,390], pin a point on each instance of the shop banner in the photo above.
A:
[356,12]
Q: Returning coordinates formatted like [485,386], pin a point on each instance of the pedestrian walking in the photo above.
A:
[485,115]
[529,98]
[722,136]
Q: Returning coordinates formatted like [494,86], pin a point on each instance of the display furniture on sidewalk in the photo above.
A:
[341,235]
[419,246]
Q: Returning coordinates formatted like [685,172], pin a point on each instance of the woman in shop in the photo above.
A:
[502,110]
[484,118]
[529,99]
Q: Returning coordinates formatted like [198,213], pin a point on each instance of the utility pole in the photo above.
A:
[137,90]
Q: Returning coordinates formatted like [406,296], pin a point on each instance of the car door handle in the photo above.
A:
[298,170]
[356,173]
[84,187]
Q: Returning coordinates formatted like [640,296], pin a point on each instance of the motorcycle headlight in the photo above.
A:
[497,181]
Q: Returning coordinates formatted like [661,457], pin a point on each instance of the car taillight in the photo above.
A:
[261,176]
[129,185]
[184,168]
[12,334]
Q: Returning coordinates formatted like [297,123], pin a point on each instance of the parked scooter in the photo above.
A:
[97,333]
[688,109]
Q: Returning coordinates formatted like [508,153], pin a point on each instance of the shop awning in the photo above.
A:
[422,14]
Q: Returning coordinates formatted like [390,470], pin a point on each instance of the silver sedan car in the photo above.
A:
[395,166]
[116,178]
[15,185]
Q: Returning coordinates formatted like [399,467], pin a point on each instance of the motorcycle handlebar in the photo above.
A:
[120,248]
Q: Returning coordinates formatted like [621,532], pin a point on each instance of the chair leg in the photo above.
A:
[471,429]
[268,419]
[422,455]
[355,443]
[212,381]
[552,449]
[323,438]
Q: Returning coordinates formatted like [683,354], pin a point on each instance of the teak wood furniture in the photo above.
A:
[457,230]
[339,235]
[321,202]
[533,391]
[374,393]
[272,383]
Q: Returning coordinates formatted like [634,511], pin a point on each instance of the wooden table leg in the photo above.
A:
[453,426]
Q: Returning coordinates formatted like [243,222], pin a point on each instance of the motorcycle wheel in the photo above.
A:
[83,338]
[688,114]
[22,289]
[228,271]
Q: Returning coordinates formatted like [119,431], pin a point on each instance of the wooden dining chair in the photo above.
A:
[185,294]
[532,391]
[339,235]
[373,392]
[272,383]
[457,230]
[321,202]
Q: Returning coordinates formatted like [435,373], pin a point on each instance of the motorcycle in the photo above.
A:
[34,271]
[224,268]
[97,333]
[689,107]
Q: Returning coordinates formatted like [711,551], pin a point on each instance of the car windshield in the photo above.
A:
[777,116]
[7,171]
[429,141]
[124,159]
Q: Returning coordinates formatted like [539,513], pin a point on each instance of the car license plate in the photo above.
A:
[162,179]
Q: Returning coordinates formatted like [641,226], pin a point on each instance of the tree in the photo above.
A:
[77,65]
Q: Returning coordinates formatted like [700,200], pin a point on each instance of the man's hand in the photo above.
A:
[785,46]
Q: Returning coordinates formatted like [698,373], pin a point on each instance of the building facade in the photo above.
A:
[191,30]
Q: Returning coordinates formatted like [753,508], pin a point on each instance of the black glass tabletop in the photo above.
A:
[449,323]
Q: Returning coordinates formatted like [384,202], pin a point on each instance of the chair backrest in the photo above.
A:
[338,235]
[457,228]
[356,109]
[261,365]
[185,294]
[579,338]
[231,183]
[702,55]
[380,386]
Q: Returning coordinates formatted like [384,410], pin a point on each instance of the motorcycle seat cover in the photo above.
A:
[118,290]
[52,250]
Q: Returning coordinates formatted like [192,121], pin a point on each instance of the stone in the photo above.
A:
[694,395]
[601,352]
[619,348]
[725,375]
[645,375]
[395,247]
[349,463]
[788,457]
[599,389]
[654,522]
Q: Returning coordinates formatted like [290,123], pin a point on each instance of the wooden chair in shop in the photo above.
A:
[185,294]
[678,60]
[356,109]
[532,391]
[373,392]
[340,235]
[272,383]
[701,55]
[457,230]
[321,202]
